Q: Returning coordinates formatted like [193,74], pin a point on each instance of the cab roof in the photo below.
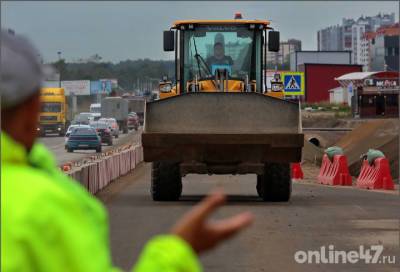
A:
[220,22]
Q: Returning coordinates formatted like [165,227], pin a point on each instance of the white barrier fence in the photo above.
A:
[99,173]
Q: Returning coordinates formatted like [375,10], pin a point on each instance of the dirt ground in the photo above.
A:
[381,134]
[316,215]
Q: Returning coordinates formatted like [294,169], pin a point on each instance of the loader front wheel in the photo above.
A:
[276,184]
[166,181]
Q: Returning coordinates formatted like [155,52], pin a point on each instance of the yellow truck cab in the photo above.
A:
[219,56]
[53,111]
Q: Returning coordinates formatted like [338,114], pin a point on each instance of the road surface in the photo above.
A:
[316,216]
[57,145]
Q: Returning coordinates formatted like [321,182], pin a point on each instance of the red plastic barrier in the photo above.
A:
[335,172]
[376,176]
[297,172]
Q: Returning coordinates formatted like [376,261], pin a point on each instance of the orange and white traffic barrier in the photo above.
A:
[375,176]
[296,171]
[335,172]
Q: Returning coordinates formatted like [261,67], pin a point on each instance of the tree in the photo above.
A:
[126,72]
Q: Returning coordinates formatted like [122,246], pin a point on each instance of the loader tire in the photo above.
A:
[276,184]
[166,181]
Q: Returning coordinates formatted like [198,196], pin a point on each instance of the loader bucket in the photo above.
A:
[222,128]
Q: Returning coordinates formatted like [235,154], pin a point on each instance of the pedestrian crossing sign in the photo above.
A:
[293,83]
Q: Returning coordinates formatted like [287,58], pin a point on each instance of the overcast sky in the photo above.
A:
[130,30]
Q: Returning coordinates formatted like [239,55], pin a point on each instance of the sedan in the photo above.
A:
[133,121]
[70,128]
[83,139]
[112,122]
[104,131]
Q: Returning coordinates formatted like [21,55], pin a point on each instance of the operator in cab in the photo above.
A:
[219,57]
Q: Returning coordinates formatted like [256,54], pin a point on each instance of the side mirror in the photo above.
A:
[273,41]
[169,40]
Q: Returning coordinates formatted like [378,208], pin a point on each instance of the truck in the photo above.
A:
[84,118]
[53,111]
[95,108]
[137,104]
[217,119]
[116,107]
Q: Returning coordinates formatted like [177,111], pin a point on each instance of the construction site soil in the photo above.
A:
[381,134]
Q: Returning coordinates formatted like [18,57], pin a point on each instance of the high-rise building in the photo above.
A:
[380,20]
[350,36]
[330,39]
[285,49]
[364,53]
[358,31]
[384,49]
[347,34]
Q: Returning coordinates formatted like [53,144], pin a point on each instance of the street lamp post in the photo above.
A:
[59,67]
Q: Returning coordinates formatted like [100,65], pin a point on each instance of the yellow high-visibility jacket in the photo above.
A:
[50,223]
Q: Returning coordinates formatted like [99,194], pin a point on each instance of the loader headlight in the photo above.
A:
[166,88]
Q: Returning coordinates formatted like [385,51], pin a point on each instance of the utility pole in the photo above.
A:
[59,67]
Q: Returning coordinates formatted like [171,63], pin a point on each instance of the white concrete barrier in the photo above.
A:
[106,168]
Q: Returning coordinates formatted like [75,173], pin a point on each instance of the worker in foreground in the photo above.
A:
[48,221]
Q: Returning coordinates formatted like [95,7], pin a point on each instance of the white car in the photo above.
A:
[112,122]
[70,129]
[84,118]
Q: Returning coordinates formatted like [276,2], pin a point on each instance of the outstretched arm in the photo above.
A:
[192,235]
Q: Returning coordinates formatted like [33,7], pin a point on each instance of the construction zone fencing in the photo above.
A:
[375,176]
[97,172]
[335,172]
[296,171]
[372,176]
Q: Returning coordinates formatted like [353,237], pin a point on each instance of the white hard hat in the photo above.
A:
[21,73]
[219,38]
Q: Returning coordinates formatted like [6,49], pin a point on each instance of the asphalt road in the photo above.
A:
[316,216]
[57,145]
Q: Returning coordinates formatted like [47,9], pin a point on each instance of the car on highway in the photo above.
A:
[84,138]
[133,121]
[70,129]
[112,122]
[104,131]
[84,118]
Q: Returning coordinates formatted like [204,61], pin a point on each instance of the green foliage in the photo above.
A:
[326,106]
[127,72]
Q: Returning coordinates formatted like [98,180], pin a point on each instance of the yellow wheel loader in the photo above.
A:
[217,119]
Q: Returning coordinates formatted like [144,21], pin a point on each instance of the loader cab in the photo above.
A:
[219,56]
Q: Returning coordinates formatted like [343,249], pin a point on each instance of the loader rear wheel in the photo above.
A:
[166,181]
[276,184]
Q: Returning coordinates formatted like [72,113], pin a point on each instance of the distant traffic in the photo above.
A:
[88,130]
